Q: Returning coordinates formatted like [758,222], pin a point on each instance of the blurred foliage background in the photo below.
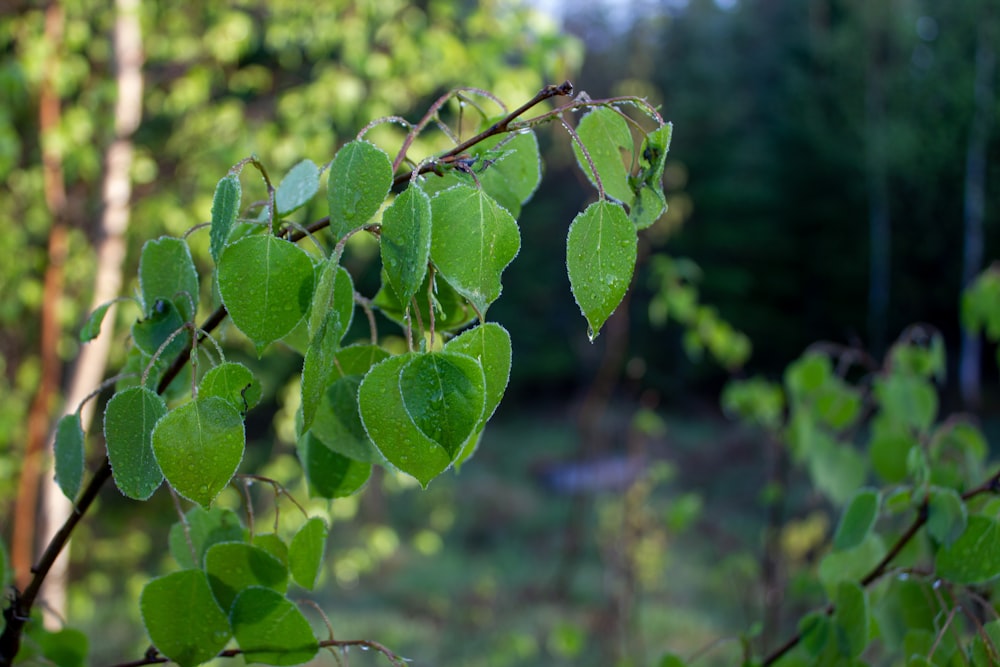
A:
[818,184]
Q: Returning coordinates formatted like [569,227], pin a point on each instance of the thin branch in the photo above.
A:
[153,657]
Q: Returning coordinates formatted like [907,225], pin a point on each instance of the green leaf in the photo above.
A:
[266,284]
[92,327]
[358,359]
[273,545]
[857,520]
[164,321]
[319,366]
[201,528]
[199,445]
[671,660]
[947,516]
[649,203]
[69,455]
[167,271]
[225,207]
[489,343]
[889,449]
[360,178]
[270,629]
[836,468]
[907,399]
[299,185]
[451,310]
[334,293]
[973,558]
[5,573]
[330,475]
[406,241]
[338,421]
[390,427]
[444,393]
[606,136]
[985,650]
[815,629]
[65,648]
[600,258]
[233,382]
[305,555]
[234,566]
[807,374]
[850,618]
[850,564]
[473,239]
[182,618]
[129,420]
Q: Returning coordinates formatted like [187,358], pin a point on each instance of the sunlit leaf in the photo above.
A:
[600,258]
[390,427]
[69,455]
[330,475]
[182,618]
[225,207]
[473,239]
[199,445]
[129,421]
[266,284]
[406,241]
[234,566]
[444,393]
[305,554]
[608,141]
[270,629]
[167,271]
[201,528]
[298,186]
[360,178]
[233,382]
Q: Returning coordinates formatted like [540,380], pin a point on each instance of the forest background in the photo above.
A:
[829,177]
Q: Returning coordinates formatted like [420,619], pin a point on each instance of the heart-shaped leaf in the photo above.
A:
[233,382]
[473,239]
[330,475]
[605,134]
[406,241]
[199,446]
[129,421]
[69,454]
[305,554]
[182,618]
[360,178]
[233,566]
[270,629]
[167,271]
[299,185]
[600,258]
[266,284]
[225,207]
[489,343]
[390,427]
[445,394]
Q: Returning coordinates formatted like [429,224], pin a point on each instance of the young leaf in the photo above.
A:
[69,455]
[857,520]
[201,528]
[225,207]
[305,555]
[182,618]
[451,311]
[92,327]
[360,178]
[330,475]
[489,343]
[606,136]
[406,241]
[947,516]
[167,271]
[163,322]
[270,629]
[389,425]
[234,566]
[199,445]
[445,394]
[334,292]
[358,359]
[319,366]
[298,186]
[600,258]
[266,284]
[973,558]
[233,382]
[473,239]
[129,420]
[649,203]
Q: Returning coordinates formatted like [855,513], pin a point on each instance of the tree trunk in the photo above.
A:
[975,201]
[110,251]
